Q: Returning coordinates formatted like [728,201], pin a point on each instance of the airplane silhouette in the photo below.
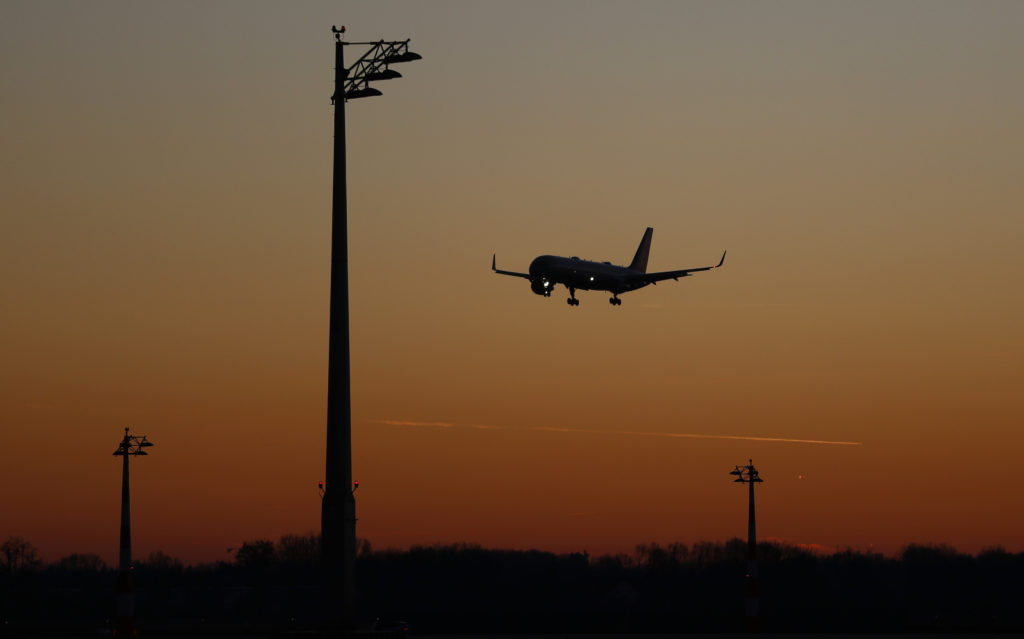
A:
[548,270]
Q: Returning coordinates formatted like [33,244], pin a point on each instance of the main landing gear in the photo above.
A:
[572,301]
[614,300]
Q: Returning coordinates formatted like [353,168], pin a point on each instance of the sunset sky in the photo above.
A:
[165,211]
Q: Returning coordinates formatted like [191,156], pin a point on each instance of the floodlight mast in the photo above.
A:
[748,475]
[129,446]
[338,514]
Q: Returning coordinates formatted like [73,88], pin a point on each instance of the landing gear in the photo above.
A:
[614,300]
[572,301]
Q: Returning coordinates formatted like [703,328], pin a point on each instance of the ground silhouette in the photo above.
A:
[464,588]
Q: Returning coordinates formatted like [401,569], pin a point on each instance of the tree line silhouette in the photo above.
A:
[464,588]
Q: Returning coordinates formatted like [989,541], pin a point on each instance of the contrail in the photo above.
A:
[399,422]
[407,422]
[762,439]
[559,429]
[698,436]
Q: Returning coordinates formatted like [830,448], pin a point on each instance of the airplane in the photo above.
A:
[548,270]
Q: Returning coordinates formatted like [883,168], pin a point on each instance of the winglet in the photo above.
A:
[494,260]
[722,261]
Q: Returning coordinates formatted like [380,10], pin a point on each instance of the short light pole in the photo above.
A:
[125,627]
[748,475]
[338,510]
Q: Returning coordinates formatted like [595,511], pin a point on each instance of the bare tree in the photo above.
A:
[161,561]
[299,549]
[255,554]
[18,555]
[82,562]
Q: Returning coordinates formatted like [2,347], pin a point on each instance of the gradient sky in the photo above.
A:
[165,199]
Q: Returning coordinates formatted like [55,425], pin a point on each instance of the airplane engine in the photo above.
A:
[541,287]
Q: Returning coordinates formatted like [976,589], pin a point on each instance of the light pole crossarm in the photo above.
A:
[373,65]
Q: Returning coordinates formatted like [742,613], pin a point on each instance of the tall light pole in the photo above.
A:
[338,514]
[129,446]
[749,475]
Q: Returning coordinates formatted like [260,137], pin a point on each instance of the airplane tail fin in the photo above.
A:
[639,262]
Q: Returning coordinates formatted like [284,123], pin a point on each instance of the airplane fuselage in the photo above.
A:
[574,273]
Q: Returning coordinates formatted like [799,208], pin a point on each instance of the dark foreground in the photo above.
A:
[470,591]
[621,636]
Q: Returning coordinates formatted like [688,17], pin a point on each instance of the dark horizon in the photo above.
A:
[463,588]
[366,545]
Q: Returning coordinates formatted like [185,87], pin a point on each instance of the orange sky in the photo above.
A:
[164,251]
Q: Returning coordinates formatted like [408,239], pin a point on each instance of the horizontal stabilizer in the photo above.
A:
[652,278]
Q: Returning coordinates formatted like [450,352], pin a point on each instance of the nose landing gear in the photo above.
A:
[572,301]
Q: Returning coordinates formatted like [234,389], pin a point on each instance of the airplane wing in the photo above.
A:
[494,268]
[675,275]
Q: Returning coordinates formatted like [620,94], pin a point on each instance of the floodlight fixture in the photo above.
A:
[132,445]
[386,74]
[366,92]
[405,56]
[746,473]
[372,65]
